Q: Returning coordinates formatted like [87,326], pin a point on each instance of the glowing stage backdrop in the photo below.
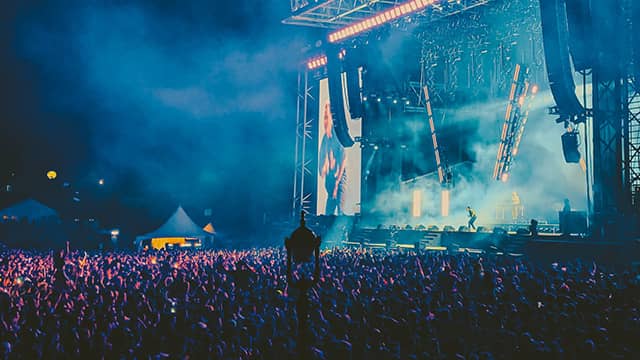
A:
[338,191]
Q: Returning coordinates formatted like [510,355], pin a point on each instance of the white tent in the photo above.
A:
[209,228]
[29,209]
[179,230]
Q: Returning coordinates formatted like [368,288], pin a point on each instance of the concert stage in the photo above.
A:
[409,124]
[545,247]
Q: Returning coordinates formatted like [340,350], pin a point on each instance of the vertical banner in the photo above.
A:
[338,191]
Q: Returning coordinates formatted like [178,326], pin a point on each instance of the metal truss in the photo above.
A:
[467,56]
[616,139]
[301,199]
[631,155]
[520,100]
[631,161]
[609,190]
[444,172]
[332,14]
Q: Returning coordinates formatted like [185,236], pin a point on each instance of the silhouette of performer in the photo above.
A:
[332,165]
[472,218]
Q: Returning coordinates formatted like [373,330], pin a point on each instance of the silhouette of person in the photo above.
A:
[533,227]
[472,218]
[332,166]
[565,216]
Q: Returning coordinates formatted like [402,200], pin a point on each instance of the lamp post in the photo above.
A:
[301,245]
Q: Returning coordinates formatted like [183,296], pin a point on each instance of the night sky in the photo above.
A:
[171,103]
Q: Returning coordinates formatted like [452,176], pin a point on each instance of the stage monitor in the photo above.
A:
[338,177]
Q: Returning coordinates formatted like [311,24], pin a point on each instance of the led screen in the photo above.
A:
[338,167]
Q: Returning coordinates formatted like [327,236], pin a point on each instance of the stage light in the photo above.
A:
[379,99]
[316,62]
[395,101]
[51,175]
[375,147]
[101,182]
[378,19]
[416,208]
[444,205]
[364,98]
[407,102]
[521,100]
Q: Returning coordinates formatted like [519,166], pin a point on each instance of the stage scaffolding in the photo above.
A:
[332,14]
[632,159]
[466,55]
[301,199]
[463,55]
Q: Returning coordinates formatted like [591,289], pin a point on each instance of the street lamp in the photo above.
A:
[301,245]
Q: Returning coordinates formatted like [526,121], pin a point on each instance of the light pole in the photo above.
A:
[301,245]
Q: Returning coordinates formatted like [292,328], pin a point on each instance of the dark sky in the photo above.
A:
[189,102]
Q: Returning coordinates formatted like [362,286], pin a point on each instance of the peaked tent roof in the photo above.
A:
[209,228]
[29,209]
[178,225]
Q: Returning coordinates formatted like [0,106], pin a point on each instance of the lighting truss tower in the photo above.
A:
[301,199]
[632,160]
[520,100]
[615,128]
[608,123]
[444,172]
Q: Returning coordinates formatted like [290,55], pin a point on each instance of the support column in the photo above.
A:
[609,188]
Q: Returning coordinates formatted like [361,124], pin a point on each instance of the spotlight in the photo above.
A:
[395,101]
[364,98]
[379,99]
[407,102]
[375,147]
[101,182]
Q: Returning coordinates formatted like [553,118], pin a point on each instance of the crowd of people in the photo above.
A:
[366,304]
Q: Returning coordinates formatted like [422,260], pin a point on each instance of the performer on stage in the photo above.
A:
[472,217]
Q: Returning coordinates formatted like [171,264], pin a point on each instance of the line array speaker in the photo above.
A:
[336,95]
[580,33]
[555,33]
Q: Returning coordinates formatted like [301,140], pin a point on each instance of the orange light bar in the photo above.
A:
[316,62]
[444,209]
[416,208]
[378,19]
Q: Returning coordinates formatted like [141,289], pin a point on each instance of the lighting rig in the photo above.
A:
[444,172]
[520,99]
[350,18]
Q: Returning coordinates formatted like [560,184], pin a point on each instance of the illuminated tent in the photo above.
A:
[178,230]
[29,209]
[209,228]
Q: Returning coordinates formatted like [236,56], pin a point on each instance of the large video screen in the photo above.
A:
[338,167]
